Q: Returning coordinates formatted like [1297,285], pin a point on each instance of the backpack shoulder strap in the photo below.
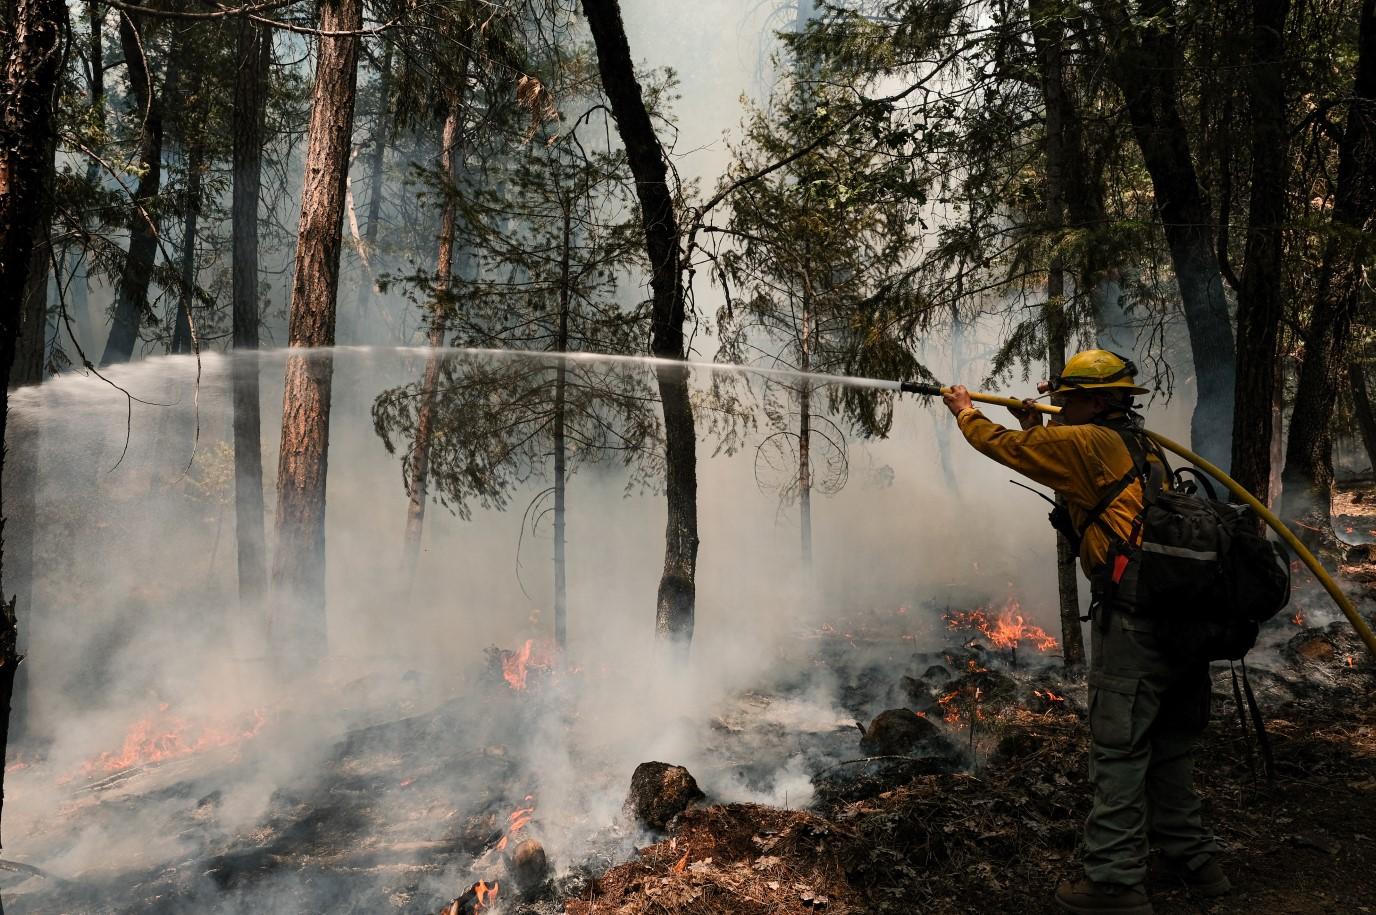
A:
[1142,469]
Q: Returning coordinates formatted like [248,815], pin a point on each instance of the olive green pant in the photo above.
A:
[1145,712]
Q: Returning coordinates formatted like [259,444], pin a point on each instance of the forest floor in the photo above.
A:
[1001,832]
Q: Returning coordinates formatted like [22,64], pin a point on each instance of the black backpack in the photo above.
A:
[1196,564]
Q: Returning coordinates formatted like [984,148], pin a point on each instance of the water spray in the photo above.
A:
[1339,597]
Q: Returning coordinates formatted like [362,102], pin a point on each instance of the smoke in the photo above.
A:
[405,734]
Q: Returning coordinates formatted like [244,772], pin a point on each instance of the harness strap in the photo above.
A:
[1268,760]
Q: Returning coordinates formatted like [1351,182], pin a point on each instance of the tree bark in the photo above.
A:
[297,626]
[561,371]
[677,587]
[451,160]
[1048,34]
[131,295]
[1144,63]
[254,60]
[1260,306]
[32,58]
[1308,476]
[805,433]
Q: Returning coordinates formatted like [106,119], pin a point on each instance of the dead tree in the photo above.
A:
[254,58]
[32,60]
[297,623]
[674,609]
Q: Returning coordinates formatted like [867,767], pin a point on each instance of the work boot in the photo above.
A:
[1087,898]
[1207,880]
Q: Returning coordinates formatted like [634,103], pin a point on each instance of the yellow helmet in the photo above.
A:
[1096,369]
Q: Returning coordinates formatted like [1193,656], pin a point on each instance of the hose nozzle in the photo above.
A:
[917,387]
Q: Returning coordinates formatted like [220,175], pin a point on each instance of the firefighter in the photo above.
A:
[1146,707]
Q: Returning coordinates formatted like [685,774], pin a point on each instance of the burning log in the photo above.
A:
[659,792]
[480,897]
[1004,631]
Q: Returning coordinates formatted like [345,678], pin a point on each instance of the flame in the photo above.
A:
[517,820]
[1298,618]
[162,737]
[1351,661]
[1048,695]
[949,712]
[1008,630]
[532,655]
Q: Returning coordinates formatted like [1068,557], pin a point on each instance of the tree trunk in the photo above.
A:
[33,316]
[32,58]
[1048,33]
[1144,64]
[131,295]
[1361,405]
[674,609]
[1308,474]
[1260,293]
[451,159]
[181,332]
[297,625]
[250,98]
[561,345]
[376,160]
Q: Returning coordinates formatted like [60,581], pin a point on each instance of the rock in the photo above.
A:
[898,732]
[529,866]
[660,792]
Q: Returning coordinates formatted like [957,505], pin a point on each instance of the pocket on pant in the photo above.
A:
[1111,704]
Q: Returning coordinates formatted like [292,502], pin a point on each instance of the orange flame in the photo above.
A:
[1351,661]
[1048,695]
[164,737]
[515,666]
[1008,630]
[517,820]
[1298,618]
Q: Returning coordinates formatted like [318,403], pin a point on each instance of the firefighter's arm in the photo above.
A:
[1047,454]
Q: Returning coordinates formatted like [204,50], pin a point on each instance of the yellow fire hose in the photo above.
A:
[1342,600]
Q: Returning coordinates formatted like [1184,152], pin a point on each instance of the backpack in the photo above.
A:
[1194,563]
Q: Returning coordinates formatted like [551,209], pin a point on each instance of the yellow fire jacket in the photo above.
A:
[1079,462]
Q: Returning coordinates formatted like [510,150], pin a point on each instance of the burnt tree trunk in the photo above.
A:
[1308,474]
[297,625]
[674,608]
[28,94]
[418,473]
[1260,306]
[1048,35]
[131,294]
[376,160]
[254,58]
[561,374]
[1143,63]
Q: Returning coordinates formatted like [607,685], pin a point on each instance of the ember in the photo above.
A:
[1351,661]
[517,665]
[1008,630]
[165,736]
[1048,695]
[1298,618]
